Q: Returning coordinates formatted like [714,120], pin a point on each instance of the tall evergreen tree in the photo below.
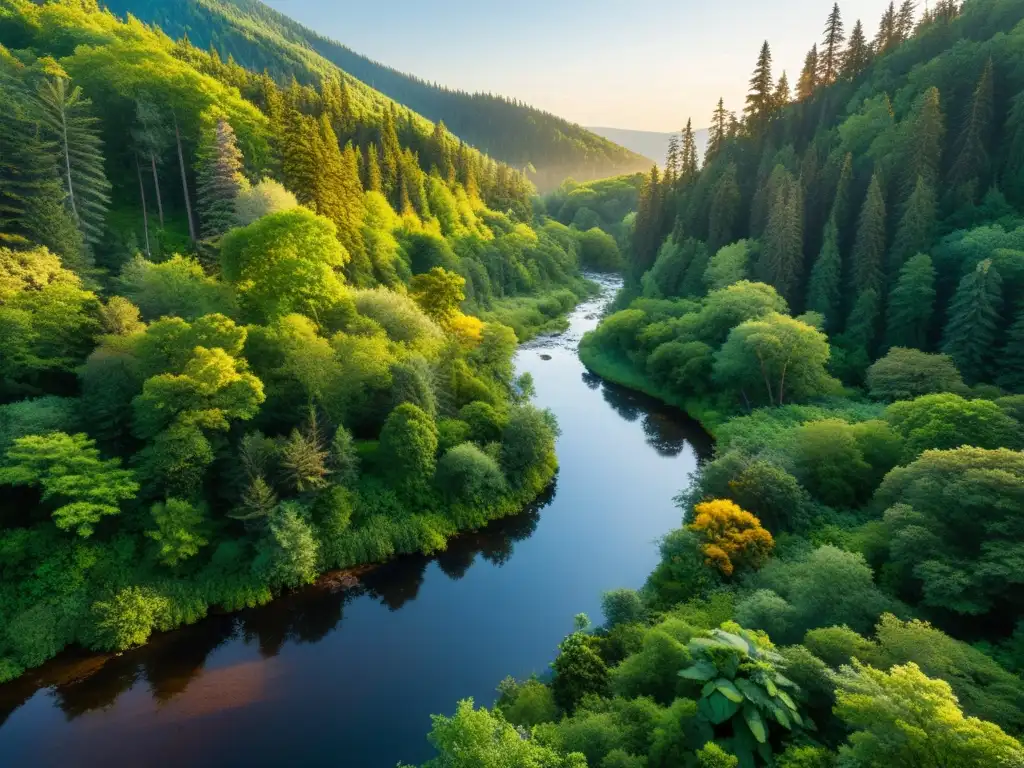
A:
[842,208]
[922,139]
[886,38]
[152,140]
[783,94]
[969,174]
[672,159]
[868,254]
[831,53]
[808,81]
[760,98]
[718,132]
[689,162]
[66,114]
[371,177]
[824,291]
[917,227]
[1011,358]
[912,304]
[339,193]
[647,230]
[905,20]
[725,210]
[858,53]
[862,327]
[782,260]
[300,157]
[219,178]
[974,319]
[390,156]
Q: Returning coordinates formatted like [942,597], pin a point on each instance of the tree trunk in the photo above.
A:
[184,183]
[145,213]
[156,186]
[67,158]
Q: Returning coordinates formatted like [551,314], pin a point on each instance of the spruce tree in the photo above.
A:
[672,159]
[1011,358]
[974,319]
[300,157]
[390,157]
[219,178]
[842,208]
[886,38]
[66,115]
[858,53]
[647,230]
[824,292]
[905,20]
[868,256]
[725,210]
[371,178]
[718,132]
[782,93]
[830,58]
[808,81]
[861,331]
[689,163]
[922,137]
[781,260]
[917,227]
[969,174]
[912,304]
[761,96]
[1013,174]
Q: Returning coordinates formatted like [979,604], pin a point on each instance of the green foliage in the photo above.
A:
[621,606]
[179,530]
[578,670]
[288,555]
[176,287]
[408,447]
[127,618]
[599,251]
[904,374]
[975,315]
[466,474]
[944,421]
[912,304]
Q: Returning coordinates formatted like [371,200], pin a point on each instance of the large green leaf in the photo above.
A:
[729,690]
[785,697]
[717,709]
[770,687]
[755,723]
[753,692]
[735,641]
[784,681]
[782,716]
[702,671]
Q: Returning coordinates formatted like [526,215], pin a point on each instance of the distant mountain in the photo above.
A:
[650,144]
[259,37]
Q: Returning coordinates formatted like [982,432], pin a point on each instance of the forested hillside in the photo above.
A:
[837,293]
[240,334]
[260,38]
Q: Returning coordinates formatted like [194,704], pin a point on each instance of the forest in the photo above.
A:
[250,330]
[259,38]
[835,291]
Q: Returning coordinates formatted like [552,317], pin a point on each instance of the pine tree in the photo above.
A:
[868,254]
[824,292]
[219,178]
[1011,358]
[689,163]
[808,82]
[905,20]
[152,139]
[760,97]
[858,53]
[970,171]
[65,113]
[390,158]
[974,319]
[301,156]
[718,132]
[841,206]
[725,209]
[338,192]
[781,262]
[1013,175]
[782,93]
[648,228]
[672,159]
[886,38]
[922,137]
[861,331]
[917,227]
[371,178]
[830,59]
[912,304]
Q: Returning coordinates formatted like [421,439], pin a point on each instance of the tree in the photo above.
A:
[922,139]
[304,458]
[858,53]
[84,487]
[824,291]
[285,263]
[782,260]
[65,111]
[974,320]
[179,530]
[725,210]
[905,20]
[730,265]
[718,132]
[672,159]
[808,82]
[289,552]
[262,199]
[467,474]
[219,179]
[126,619]
[782,93]
[344,458]
[902,717]
[1011,359]
[945,420]
[886,38]
[578,670]
[713,756]
[689,162]
[439,293]
[408,444]
[731,537]
[912,304]
[830,61]
[917,227]
[904,374]
[868,254]
[760,99]
[782,357]
[970,172]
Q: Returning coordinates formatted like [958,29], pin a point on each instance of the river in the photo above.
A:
[332,676]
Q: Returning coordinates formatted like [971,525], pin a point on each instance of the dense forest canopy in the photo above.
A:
[835,291]
[249,331]
[259,38]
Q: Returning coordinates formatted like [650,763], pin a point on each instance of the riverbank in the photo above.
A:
[543,314]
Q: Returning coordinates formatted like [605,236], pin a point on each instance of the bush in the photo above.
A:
[467,474]
[126,619]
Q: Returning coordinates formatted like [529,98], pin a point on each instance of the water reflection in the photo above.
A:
[80,683]
[664,431]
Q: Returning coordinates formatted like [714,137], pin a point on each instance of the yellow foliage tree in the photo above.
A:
[732,537]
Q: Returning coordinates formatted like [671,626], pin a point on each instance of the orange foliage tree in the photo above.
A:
[732,537]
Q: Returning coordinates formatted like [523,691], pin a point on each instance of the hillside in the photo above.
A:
[652,144]
[258,37]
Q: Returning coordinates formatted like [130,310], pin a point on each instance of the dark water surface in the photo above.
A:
[349,677]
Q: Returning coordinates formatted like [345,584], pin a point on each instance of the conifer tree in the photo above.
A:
[761,96]
[922,137]
[648,228]
[824,292]
[718,132]
[868,254]
[808,81]
[917,227]
[905,20]
[371,178]
[974,318]
[841,205]
[689,163]
[782,93]
[390,157]
[1011,358]
[339,193]
[912,304]
[1013,175]
[219,178]
[830,58]
[781,262]
[672,160]
[858,53]
[151,138]
[300,157]
[66,114]
[725,210]
[886,38]
[861,331]
[968,175]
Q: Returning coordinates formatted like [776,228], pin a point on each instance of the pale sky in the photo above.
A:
[645,64]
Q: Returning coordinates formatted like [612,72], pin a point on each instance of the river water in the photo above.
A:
[343,677]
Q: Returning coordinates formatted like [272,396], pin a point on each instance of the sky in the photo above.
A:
[644,64]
